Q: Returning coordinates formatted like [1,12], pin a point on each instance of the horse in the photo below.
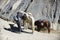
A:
[41,24]
[28,18]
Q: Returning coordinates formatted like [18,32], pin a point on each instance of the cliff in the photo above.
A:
[41,9]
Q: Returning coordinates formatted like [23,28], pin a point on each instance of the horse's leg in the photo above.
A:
[32,29]
[32,25]
[38,28]
[48,27]
[24,24]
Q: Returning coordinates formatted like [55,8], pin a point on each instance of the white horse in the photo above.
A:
[28,19]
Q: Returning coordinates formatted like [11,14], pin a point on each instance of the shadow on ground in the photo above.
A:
[15,29]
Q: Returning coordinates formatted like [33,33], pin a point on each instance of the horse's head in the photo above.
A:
[36,23]
[24,17]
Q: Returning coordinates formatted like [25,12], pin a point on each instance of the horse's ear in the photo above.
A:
[30,14]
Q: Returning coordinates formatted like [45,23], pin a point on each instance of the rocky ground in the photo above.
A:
[6,34]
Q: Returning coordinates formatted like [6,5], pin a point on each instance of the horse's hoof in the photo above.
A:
[38,31]
[48,32]
[32,32]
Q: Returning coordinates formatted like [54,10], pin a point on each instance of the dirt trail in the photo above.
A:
[8,35]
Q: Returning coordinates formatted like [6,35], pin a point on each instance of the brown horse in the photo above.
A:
[41,24]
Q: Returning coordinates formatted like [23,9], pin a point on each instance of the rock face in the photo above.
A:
[46,9]
[8,11]
[41,9]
